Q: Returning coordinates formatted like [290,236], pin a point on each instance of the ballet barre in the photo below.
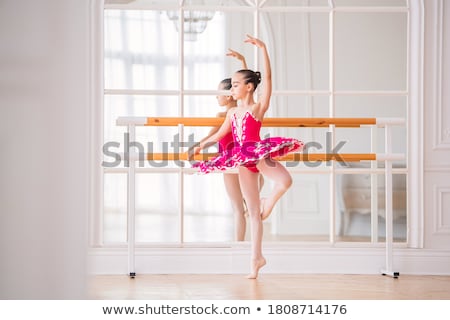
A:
[388,157]
[267,122]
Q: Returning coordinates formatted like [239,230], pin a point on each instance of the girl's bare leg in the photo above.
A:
[261,182]
[237,202]
[277,172]
[250,189]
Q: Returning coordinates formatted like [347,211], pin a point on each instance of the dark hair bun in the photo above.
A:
[258,77]
[251,76]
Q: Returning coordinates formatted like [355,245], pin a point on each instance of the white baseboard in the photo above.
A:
[290,260]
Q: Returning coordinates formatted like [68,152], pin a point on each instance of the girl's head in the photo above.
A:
[245,81]
[225,84]
[250,76]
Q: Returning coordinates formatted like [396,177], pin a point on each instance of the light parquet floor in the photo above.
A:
[269,287]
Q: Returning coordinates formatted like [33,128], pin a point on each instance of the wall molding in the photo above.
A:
[299,260]
[439,212]
[440,132]
[95,122]
[416,124]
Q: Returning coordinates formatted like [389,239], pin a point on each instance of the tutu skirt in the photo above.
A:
[247,147]
[249,154]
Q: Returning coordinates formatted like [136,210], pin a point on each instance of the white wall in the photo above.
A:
[437,125]
[44,101]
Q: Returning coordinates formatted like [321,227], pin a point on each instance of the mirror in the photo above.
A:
[142,64]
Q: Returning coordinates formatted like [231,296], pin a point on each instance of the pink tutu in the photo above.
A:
[223,160]
[247,148]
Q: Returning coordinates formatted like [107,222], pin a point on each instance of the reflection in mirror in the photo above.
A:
[137,106]
[303,215]
[205,60]
[114,213]
[381,106]
[208,212]
[371,51]
[355,219]
[371,3]
[299,45]
[142,52]
[296,3]
[156,216]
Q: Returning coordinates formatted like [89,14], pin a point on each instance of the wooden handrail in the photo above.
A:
[267,122]
[347,157]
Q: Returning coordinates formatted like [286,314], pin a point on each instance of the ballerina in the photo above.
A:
[231,180]
[251,154]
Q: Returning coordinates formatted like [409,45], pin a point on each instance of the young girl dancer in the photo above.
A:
[226,145]
[250,152]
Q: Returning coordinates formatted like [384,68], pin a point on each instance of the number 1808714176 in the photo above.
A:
[307,309]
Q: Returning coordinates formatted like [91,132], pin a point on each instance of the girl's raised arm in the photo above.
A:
[237,55]
[266,75]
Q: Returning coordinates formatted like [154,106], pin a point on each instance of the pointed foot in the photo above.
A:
[257,264]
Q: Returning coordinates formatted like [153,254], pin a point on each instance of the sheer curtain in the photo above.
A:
[142,69]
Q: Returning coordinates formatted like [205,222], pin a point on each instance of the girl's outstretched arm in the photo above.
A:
[264,100]
[219,134]
[211,132]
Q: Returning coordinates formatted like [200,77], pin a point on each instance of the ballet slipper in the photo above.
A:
[256,265]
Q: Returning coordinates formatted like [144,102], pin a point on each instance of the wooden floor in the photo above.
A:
[270,287]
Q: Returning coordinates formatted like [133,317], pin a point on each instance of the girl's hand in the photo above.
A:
[197,150]
[192,151]
[254,41]
[235,54]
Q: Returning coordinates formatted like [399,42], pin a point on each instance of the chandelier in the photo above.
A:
[194,22]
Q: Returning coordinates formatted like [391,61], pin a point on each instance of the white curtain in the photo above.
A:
[141,52]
